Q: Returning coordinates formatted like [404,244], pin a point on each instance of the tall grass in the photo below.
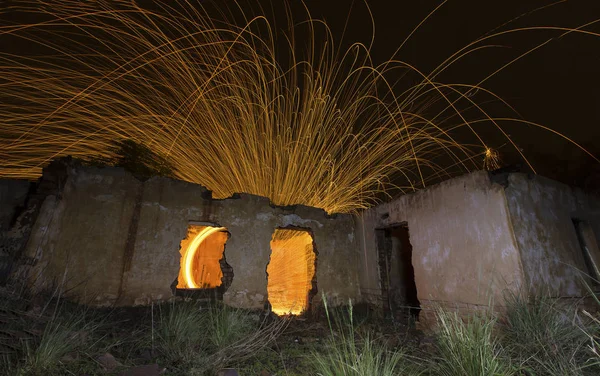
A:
[66,337]
[236,336]
[592,332]
[544,336]
[467,346]
[199,340]
[348,355]
[180,332]
[228,325]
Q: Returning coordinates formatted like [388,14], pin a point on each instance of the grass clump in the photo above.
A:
[180,334]
[544,336]
[65,340]
[59,340]
[467,346]
[196,340]
[346,354]
[227,326]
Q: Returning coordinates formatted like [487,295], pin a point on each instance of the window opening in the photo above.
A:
[291,271]
[203,265]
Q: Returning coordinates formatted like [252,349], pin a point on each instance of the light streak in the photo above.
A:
[290,271]
[188,258]
[328,128]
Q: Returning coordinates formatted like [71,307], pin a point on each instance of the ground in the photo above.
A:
[45,334]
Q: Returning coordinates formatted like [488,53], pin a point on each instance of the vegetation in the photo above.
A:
[347,353]
[468,346]
[530,335]
[546,337]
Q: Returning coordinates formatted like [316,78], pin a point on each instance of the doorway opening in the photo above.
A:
[291,277]
[204,272]
[397,275]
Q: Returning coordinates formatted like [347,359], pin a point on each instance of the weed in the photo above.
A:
[346,354]
[65,338]
[228,325]
[544,336]
[180,332]
[467,346]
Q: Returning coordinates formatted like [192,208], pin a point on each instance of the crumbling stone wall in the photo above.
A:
[109,238]
[15,233]
[79,237]
[169,206]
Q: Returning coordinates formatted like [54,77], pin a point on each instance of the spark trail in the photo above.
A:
[327,128]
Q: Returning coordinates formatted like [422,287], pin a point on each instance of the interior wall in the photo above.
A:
[542,213]
[463,249]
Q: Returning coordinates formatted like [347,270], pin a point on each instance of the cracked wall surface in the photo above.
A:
[473,238]
[542,213]
[78,239]
[107,238]
[463,249]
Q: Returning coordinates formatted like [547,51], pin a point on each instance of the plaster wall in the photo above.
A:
[169,206]
[23,216]
[463,249]
[542,213]
[165,209]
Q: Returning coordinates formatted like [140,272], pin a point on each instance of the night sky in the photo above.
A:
[556,86]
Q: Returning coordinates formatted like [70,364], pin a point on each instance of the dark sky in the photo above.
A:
[557,86]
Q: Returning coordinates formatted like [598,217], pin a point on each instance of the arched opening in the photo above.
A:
[291,271]
[203,265]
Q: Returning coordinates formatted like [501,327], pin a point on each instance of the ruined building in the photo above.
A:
[103,237]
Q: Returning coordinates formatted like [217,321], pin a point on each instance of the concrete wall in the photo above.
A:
[110,238]
[542,213]
[463,249]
